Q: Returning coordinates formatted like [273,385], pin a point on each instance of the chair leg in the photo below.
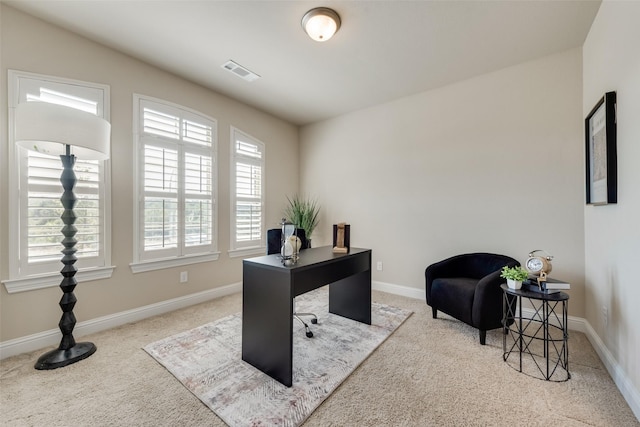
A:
[483,337]
[307,330]
[434,312]
[314,318]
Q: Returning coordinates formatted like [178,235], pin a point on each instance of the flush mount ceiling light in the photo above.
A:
[321,23]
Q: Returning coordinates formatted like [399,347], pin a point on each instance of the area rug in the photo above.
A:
[207,361]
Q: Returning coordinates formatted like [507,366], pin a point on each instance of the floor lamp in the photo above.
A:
[56,130]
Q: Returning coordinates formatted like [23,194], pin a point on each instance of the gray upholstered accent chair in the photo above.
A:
[467,287]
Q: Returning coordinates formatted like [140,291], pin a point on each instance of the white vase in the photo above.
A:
[514,284]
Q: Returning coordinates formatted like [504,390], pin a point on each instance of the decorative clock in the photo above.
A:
[539,265]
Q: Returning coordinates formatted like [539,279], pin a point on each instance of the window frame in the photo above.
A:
[254,247]
[24,276]
[182,255]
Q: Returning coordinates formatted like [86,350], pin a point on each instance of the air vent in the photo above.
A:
[240,71]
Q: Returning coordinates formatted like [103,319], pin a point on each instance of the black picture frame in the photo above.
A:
[600,149]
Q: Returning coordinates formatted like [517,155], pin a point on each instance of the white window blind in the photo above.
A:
[176,150]
[44,208]
[248,196]
[36,225]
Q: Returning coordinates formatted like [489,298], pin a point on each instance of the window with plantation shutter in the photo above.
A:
[247,178]
[44,208]
[176,185]
[35,224]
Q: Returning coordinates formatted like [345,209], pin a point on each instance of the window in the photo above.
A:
[247,198]
[176,190]
[35,222]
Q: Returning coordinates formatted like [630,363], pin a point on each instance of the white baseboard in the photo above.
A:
[52,337]
[573,323]
[620,377]
[404,291]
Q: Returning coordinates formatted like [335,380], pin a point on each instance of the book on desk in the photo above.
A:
[548,286]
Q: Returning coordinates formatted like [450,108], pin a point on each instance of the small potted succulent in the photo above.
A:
[514,276]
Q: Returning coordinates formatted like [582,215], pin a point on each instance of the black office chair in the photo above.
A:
[274,237]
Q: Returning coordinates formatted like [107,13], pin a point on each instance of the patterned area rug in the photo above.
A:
[207,361]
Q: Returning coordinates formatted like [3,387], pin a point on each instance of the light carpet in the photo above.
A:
[428,373]
[207,361]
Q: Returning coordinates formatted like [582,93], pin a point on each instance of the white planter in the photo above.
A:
[514,284]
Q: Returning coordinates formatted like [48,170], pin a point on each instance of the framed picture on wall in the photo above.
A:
[601,158]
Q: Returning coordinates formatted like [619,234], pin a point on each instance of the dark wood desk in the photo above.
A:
[268,289]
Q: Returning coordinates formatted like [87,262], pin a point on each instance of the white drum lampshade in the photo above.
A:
[47,128]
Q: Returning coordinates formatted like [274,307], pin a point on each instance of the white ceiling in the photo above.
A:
[384,50]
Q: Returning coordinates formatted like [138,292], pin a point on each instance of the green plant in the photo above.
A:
[514,273]
[303,213]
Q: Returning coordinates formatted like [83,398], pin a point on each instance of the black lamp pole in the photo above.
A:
[68,351]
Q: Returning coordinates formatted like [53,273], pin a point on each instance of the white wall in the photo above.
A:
[489,164]
[28,44]
[611,62]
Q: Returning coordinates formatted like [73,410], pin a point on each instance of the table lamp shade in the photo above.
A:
[47,128]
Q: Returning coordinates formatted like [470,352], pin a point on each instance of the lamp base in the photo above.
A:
[59,357]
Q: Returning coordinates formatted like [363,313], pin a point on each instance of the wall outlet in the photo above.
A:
[379,266]
[184,277]
[605,316]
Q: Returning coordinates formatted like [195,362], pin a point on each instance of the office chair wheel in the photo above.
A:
[314,321]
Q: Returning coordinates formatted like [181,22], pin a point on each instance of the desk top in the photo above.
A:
[308,257]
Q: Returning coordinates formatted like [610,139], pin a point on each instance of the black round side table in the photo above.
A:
[536,345]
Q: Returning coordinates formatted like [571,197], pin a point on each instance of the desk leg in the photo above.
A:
[267,322]
[351,297]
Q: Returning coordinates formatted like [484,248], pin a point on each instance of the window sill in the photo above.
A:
[142,266]
[50,280]
[254,250]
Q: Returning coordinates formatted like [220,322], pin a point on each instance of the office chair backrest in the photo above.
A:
[275,234]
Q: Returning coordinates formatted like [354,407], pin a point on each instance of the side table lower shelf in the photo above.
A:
[536,346]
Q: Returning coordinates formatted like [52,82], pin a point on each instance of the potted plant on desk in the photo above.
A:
[303,213]
[514,276]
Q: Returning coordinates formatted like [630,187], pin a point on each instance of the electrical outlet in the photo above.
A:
[184,277]
[379,266]
[605,315]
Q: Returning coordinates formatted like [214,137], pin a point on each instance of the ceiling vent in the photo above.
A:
[240,71]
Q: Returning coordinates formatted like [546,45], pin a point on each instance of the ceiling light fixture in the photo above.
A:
[321,23]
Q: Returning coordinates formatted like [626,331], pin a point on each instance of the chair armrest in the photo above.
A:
[486,311]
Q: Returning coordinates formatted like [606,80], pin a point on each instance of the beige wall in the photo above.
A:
[419,179]
[611,62]
[31,45]
[489,164]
